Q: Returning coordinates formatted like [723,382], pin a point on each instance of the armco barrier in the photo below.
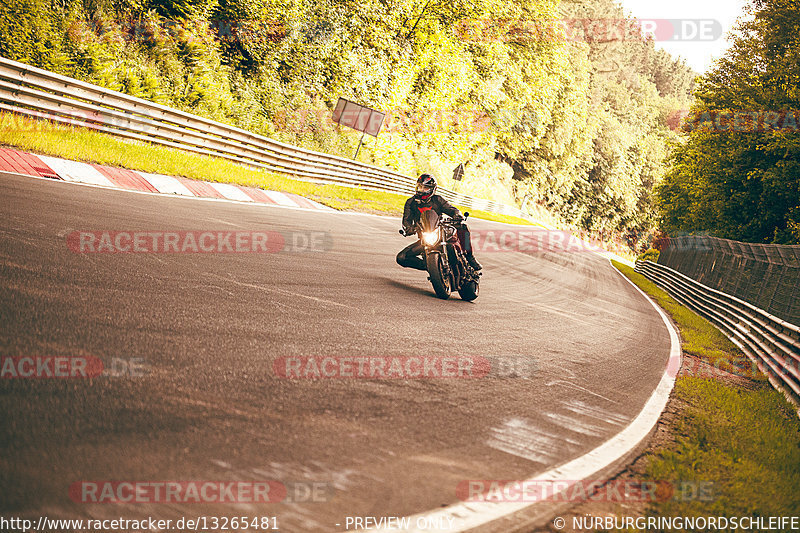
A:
[772,343]
[765,275]
[38,93]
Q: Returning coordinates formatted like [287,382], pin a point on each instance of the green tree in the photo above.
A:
[743,183]
[578,127]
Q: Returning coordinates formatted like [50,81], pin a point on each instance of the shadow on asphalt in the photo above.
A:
[421,290]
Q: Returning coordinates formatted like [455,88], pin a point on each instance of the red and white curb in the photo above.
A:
[119,178]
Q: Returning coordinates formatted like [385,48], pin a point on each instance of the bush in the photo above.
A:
[649,255]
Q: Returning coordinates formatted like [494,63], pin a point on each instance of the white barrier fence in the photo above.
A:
[38,93]
[772,343]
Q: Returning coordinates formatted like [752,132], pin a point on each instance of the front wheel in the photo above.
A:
[469,291]
[440,284]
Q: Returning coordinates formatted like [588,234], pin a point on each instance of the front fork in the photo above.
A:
[441,248]
[447,266]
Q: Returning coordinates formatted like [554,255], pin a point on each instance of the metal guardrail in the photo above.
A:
[37,93]
[771,342]
[766,275]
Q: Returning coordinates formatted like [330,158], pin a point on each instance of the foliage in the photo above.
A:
[742,182]
[651,254]
[576,126]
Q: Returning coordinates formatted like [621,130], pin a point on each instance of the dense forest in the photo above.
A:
[572,117]
[738,173]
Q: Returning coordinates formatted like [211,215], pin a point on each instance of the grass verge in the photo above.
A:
[731,434]
[83,144]
[698,336]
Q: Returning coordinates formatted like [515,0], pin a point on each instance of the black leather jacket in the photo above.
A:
[411,209]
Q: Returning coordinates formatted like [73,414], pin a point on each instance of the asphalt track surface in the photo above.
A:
[206,329]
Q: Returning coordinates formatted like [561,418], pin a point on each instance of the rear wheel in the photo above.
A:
[440,283]
[469,291]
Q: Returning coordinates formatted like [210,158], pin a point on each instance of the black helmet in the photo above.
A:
[426,187]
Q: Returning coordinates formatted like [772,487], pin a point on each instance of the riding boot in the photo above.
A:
[473,262]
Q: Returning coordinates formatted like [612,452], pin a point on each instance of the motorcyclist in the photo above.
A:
[426,197]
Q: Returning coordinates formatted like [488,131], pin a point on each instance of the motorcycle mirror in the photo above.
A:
[466,214]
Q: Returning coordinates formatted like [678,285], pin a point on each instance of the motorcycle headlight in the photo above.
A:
[430,238]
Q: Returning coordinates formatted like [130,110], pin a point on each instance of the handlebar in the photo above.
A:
[450,220]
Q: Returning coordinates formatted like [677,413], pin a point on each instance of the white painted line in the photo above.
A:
[78,172]
[166,184]
[282,291]
[231,192]
[280,198]
[615,257]
[467,515]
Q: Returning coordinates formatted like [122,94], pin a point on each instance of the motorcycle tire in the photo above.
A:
[440,285]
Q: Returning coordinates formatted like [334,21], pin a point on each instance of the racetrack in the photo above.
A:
[208,327]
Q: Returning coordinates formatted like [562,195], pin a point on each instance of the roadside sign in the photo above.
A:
[458,172]
[358,117]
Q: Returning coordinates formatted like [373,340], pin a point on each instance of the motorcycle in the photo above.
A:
[446,262]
